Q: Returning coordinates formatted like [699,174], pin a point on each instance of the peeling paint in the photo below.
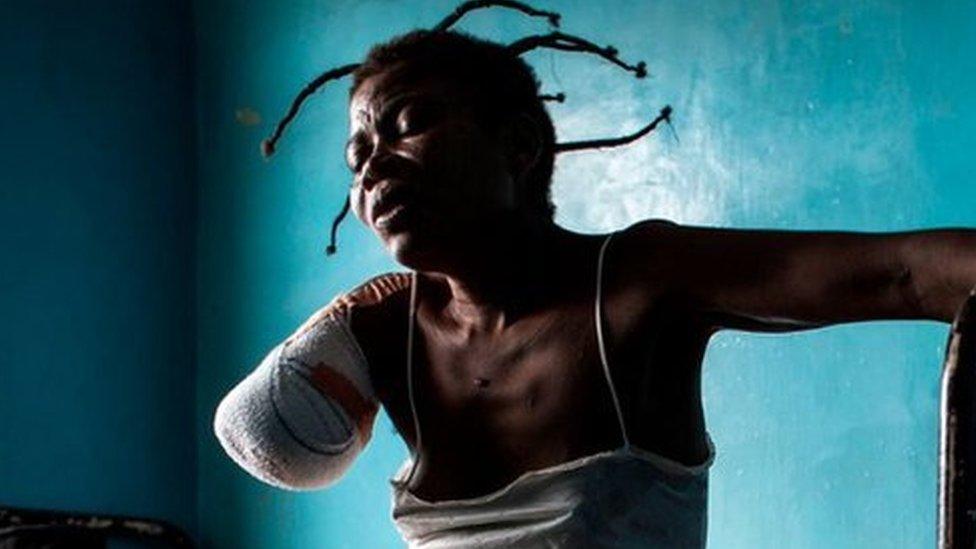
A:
[247,117]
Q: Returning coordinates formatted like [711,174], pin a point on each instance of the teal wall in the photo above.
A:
[96,284]
[796,115]
[790,115]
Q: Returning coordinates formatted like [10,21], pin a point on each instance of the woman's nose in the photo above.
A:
[378,166]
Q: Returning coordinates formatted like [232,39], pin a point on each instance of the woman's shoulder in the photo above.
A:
[649,231]
[376,297]
[651,223]
[373,293]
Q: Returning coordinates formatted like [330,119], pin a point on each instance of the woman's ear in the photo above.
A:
[523,145]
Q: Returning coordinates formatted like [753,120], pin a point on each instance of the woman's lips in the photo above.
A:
[388,194]
[393,219]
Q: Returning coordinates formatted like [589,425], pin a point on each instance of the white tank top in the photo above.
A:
[627,497]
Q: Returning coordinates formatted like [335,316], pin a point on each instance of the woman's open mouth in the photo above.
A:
[394,219]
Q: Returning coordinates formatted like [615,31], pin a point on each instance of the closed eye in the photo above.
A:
[405,116]
[414,118]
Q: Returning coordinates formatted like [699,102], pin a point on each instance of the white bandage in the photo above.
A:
[303,415]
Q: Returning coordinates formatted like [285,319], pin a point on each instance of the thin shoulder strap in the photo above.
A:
[413,406]
[599,338]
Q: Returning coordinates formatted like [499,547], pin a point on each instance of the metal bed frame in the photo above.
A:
[957,434]
[34,528]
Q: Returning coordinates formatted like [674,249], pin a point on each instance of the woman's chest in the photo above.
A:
[548,382]
[531,383]
[539,394]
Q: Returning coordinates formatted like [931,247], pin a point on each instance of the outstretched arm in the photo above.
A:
[774,280]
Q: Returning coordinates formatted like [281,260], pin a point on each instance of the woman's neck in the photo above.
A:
[504,272]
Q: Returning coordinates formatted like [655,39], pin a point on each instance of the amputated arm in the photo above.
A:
[300,419]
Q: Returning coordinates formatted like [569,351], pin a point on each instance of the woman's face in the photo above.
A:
[426,176]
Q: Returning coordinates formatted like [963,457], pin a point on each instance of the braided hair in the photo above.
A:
[501,80]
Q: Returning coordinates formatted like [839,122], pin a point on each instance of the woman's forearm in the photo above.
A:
[942,266]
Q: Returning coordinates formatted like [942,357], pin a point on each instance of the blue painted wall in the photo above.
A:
[791,115]
[96,284]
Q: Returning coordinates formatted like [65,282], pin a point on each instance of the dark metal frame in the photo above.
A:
[957,434]
[21,527]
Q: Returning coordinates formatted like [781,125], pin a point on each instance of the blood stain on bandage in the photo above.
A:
[337,386]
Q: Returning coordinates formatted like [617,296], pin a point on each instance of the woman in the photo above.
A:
[547,382]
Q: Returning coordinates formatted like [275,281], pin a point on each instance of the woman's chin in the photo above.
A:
[407,249]
[415,251]
[407,238]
